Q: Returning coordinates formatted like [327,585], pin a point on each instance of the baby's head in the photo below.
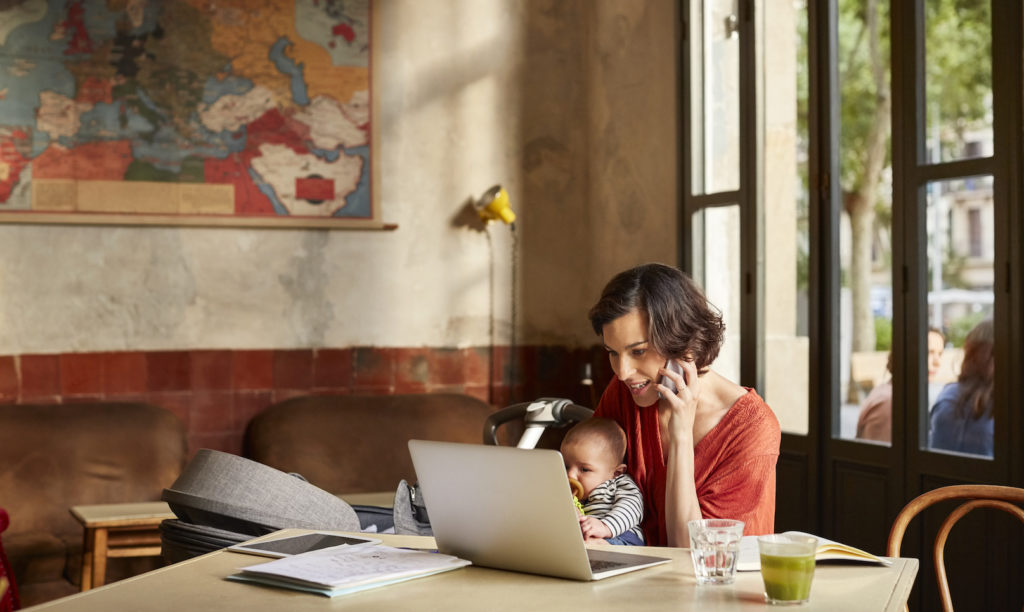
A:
[593,451]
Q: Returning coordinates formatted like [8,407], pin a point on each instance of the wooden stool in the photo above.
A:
[118,530]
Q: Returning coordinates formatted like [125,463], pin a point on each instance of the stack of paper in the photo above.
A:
[750,559]
[347,569]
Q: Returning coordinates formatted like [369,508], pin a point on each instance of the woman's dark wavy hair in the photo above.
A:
[974,399]
[680,321]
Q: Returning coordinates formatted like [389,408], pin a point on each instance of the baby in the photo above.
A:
[613,505]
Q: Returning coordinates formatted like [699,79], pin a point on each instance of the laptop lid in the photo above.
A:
[509,508]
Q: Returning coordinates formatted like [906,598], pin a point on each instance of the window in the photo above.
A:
[786,215]
[714,118]
[974,232]
[870,226]
[865,247]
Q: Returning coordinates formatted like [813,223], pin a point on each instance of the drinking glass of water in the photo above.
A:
[714,546]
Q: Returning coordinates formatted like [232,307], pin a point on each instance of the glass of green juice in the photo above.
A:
[787,567]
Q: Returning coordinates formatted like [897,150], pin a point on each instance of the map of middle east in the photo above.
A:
[235,108]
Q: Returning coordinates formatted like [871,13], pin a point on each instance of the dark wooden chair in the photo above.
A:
[1007,499]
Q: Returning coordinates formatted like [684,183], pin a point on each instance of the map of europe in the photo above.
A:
[236,108]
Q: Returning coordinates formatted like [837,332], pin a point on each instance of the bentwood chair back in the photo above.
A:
[1008,499]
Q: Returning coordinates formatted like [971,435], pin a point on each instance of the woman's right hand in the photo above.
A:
[680,407]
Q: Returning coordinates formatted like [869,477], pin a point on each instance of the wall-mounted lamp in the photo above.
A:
[493,205]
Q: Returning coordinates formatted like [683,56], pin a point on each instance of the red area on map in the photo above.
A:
[80,41]
[249,200]
[91,161]
[345,31]
[273,128]
[15,161]
[314,188]
[234,170]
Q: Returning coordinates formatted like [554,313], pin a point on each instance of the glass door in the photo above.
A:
[714,173]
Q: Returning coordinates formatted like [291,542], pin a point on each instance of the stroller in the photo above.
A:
[547,415]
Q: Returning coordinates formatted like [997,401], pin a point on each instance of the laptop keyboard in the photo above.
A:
[600,565]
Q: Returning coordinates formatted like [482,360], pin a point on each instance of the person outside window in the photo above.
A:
[961,419]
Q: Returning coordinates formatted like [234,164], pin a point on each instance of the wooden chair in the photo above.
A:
[977,496]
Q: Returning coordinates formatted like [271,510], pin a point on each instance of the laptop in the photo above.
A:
[511,509]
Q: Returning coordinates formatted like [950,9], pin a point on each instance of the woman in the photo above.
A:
[962,419]
[875,419]
[706,450]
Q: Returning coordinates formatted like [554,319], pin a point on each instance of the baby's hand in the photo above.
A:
[594,528]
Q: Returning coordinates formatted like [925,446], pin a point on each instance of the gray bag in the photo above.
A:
[411,511]
[221,494]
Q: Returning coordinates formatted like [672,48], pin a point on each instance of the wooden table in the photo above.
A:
[118,530]
[199,584]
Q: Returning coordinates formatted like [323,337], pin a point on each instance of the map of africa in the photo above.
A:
[226,108]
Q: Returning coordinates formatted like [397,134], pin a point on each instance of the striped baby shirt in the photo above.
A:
[619,504]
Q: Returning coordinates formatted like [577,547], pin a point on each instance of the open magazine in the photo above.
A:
[750,559]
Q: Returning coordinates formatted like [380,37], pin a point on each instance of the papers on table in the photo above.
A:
[750,557]
[348,569]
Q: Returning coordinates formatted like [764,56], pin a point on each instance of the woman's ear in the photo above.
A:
[620,470]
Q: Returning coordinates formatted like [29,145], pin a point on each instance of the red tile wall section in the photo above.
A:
[216,392]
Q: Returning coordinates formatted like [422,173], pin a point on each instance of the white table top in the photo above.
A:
[199,584]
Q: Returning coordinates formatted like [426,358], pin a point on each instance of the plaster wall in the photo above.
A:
[600,155]
[570,105]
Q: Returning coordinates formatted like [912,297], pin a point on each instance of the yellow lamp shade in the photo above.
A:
[494,205]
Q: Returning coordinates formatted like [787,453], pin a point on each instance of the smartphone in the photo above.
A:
[673,366]
[296,545]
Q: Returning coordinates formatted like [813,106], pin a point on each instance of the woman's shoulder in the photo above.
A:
[751,422]
[752,406]
[720,392]
[945,401]
[949,392]
[749,402]
[880,394]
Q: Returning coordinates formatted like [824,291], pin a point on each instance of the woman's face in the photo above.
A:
[632,358]
[935,346]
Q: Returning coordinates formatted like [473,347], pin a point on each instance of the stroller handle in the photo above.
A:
[538,415]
